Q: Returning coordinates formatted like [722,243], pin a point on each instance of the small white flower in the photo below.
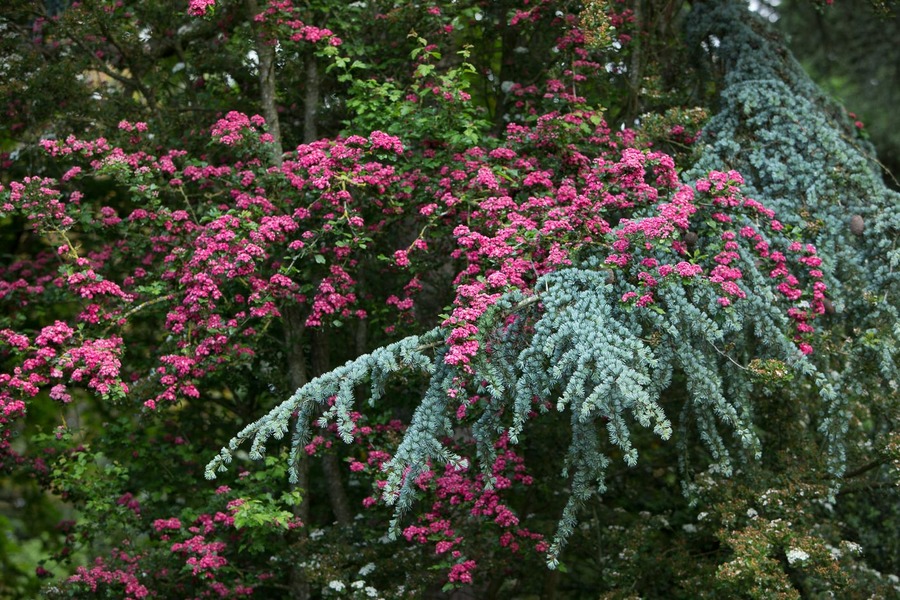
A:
[689,528]
[702,516]
[371,592]
[795,554]
[751,513]
[336,585]
[358,584]
[366,569]
[853,547]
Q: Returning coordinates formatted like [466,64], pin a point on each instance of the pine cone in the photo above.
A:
[690,239]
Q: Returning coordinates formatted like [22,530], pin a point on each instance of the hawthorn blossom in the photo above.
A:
[198,8]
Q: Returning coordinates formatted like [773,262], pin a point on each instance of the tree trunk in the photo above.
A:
[334,485]
[311,101]
[331,467]
[265,52]
[636,68]
[294,330]
[551,583]
[508,42]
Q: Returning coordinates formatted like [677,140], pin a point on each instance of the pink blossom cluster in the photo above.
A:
[186,557]
[198,8]
[130,502]
[458,494]
[804,305]
[204,556]
[372,438]
[56,360]
[508,243]
[456,490]
[99,577]
[73,145]
[196,548]
[682,135]
[283,16]
[37,199]
[231,129]
[215,280]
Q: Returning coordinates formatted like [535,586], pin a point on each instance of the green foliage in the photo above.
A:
[434,108]
[679,449]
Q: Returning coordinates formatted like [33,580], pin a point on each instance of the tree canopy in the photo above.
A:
[509,299]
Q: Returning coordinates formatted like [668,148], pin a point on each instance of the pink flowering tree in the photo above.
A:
[502,330]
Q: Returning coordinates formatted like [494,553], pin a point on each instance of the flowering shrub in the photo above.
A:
[221,277]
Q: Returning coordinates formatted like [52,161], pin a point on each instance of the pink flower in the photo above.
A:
[486,178]
[379,139]
[401,258]
[60,394]
[167,524]
[686,269]
[644,300]
[462,572]
[73,172]
[198,8]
